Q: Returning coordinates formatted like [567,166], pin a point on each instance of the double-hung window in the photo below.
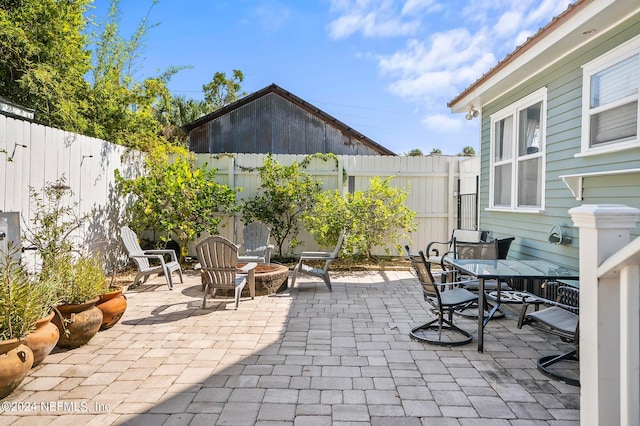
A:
[610,115]
[517,154]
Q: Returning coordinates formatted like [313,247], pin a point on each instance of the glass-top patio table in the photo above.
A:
[501,270]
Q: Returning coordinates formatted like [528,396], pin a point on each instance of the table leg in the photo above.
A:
[481,303]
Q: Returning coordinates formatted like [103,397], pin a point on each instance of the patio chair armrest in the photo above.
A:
[248,267]
[163,251]
[437,252]
[148,256]
[315,253]
[317,257]
[532,300]
[443,263]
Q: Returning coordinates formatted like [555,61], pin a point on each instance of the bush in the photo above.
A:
[285,194]
[373,218]
[177,199]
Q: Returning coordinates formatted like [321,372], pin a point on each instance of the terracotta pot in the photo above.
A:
[82,322]
[15,361]
[112,304]
[43,339]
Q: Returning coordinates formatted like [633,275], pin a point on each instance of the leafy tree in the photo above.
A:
[284,195]
[467,151]
[375,217]
[221,91]
[45,59]
[78,74]
[180,110]
[416,152]
[121,110]
[436,151]
[177,198]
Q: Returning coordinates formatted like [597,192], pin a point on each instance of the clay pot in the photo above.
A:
[15,361]
[82,322]
[112,304]
[43,339]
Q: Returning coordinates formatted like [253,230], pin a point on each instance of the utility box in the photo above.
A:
[10,233]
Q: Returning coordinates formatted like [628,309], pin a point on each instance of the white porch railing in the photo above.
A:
[609,315]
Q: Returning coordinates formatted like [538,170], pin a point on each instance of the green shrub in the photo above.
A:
[284,195]
[24,299]
[373,218]
[176,198]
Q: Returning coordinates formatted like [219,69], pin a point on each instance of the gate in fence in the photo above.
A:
[468,208]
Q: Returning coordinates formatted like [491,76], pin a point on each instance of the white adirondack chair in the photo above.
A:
[324,256]
[142,257]
[255,243]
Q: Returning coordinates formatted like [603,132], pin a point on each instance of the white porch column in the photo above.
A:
[604,229]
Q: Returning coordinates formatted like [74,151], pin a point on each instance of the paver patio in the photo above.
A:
[309,357]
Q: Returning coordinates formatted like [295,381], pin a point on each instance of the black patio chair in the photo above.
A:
[434,248]
[560,318]
[445,299]
[475,250]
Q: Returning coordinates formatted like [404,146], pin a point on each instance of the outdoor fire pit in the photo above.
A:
[269,277]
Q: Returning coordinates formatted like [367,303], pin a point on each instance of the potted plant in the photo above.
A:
[44,337]
[81,281]
[22,302]
[112,303]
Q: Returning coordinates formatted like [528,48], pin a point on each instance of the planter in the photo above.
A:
[43,339]
[81,321]
[112,304]
[15,361]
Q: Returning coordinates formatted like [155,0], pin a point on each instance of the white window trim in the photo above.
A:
[513,110]
[620,53]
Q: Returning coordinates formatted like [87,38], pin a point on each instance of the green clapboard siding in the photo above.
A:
[564,108]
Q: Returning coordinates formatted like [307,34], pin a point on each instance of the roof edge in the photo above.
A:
[274,88]
[557,21]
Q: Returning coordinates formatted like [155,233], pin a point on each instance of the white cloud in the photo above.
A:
[441,123]
[508,24]
[431,68]
[414,6]
[375,19]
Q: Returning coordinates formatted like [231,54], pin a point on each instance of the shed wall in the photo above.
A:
[272,124]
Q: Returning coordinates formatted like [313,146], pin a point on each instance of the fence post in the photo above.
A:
[604,230]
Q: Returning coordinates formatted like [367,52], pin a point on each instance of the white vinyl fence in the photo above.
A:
[431,180]
[32,155]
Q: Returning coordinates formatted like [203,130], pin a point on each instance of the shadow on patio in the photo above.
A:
[307,358]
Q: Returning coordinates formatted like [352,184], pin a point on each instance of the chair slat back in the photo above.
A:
[130,240]
[218,257]
[255,235]
[467,235]
[477,250]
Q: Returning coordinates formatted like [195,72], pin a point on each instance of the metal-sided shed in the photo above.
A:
[273,120]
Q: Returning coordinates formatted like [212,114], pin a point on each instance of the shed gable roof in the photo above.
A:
[311,109]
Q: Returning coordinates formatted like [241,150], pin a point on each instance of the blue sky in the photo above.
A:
[386,68]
